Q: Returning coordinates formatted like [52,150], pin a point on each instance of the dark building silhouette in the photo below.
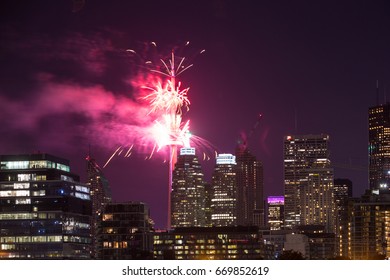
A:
[342,194]
[45,211]
[249,180]
[100,195]
[208,192]
[126,232]
[379,146]
[188,191]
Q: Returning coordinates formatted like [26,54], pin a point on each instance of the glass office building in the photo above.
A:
[44,209]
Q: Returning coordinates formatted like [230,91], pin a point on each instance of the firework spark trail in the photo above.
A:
[167,102]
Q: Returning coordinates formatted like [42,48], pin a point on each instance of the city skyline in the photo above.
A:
[307,68]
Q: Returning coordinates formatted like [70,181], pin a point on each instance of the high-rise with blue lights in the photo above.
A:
[45,211]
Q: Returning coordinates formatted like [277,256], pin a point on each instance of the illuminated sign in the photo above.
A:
[226,159]
[275,200]
[187,151]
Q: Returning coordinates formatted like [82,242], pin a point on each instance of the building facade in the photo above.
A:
[100,195]
[275,212]
[188,191]
[45,212]
[126,232]
[379,146]
[211,243]
[369,226]
[342,195]
[308,182]
[250,184]
[224,191]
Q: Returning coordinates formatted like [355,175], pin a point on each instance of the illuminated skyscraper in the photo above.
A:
[308,182]
[249,176]
[224,191]
[379,146]
[100,195]
[45,211]
[188,191]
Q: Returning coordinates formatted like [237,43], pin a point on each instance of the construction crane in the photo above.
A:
[243,141]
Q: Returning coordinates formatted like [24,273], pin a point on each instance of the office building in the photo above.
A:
[275,212]
[45,212]
[100,195]
[126,232]
[342,194]
[369,226]
[322,244]
[211,243]
[208,192]
[188,191]
[224,191]
[379,146]
[249,180]
[308,182]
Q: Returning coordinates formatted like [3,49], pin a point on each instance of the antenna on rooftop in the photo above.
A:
[377,92]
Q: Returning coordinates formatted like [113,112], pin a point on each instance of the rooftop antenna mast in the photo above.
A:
[296,120]
[377,92]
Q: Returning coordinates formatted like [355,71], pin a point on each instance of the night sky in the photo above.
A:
[309,67]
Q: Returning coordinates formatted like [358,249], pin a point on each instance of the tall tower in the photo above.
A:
[308,181]
[249,176]
[342,196]
[224,191]
[379,146]
[188,191]
[100,195]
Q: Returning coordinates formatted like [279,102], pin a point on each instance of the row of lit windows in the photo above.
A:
[30,239]
[31,177]
[115,244]
[25,164]
[26,216]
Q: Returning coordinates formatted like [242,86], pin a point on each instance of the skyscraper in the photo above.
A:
[224,191]
[379,146]
[188,191]
[100,195]
[342,195]
[308,182]
[45,211]
[249,176]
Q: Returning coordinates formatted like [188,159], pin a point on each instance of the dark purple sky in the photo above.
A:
[66,80]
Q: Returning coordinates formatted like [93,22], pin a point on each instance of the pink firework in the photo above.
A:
[166,102]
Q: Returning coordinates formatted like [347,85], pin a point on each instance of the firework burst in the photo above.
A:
[166,102]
